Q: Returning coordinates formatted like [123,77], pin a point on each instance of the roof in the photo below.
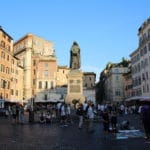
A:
[89,73]
[1,29]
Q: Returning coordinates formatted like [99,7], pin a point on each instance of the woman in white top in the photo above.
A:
[63,114]
[90,115]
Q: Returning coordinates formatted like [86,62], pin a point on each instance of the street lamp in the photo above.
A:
[4,86]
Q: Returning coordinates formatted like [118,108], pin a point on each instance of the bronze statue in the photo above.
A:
[75,56]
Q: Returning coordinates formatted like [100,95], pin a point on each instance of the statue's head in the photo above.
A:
[75,43]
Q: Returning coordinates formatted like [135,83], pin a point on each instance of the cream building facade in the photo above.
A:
[16,82]
[10,71]
[140,62]
[89,79]
[62,73]
[6,52]
[39,66]
[128,86]
[114,84]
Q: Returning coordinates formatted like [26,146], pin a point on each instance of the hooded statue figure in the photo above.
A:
[75,56]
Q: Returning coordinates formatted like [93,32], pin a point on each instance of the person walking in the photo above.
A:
[145,114]
[90,116]
[113,120]
[21,114]
[63,115]
[80,113]
[105,119]
[13,110]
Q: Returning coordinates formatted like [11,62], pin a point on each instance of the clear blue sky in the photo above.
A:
[106,30]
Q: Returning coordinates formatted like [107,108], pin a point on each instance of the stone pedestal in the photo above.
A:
[75,87]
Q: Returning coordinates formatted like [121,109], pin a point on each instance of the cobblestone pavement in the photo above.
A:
[54,137]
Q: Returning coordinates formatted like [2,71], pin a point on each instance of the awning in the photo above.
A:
[146,98]
[138,98]
[1,100]
[133,98]
[49,101]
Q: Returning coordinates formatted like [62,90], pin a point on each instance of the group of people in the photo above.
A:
[87,112]
[61,111]
[16,113]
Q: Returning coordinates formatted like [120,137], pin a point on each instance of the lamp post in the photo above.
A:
[4,86]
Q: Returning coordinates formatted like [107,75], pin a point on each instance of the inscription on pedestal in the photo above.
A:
[75,89]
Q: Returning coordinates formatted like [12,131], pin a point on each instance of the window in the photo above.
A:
[33,94]
[9,40]
[145,50]
[143,89]
[8,57]
[147,88]
[149,46]
[148,33]
[85,84]
[138,67]
[117,92]
[12,92]
[3,55]
[4,36]
[6,95]
[142,64]
[1,95]
[141,52]
[116,70]
[3,83]
[16,71]
[45,73]
[139,80]
[46,64]
[144,37]
[70,81]
[46,85]
[146,62]
[33,81]
[143,76]
[117,78]
[140,40]
[146,75]
[8,84]
[12,61]
[16,92]
[40,84]
[34,62]
[52,85]
[45,97]
[7,70]
[34,71]
[3,44]
[78,81]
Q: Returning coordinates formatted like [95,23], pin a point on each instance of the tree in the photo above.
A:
[124,62]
